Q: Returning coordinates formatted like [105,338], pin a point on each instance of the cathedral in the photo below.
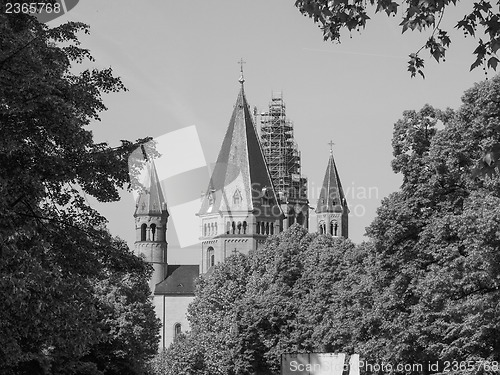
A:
[256,190]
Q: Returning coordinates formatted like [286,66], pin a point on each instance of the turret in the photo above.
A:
[151,217]
[331,211]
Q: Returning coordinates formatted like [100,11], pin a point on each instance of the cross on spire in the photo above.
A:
[241,62]
[331,146]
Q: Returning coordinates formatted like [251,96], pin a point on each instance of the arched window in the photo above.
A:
[244,227]
[234,226]
[258,228]
[143,232]
[237,198]
[262,228]
[210,257]
[331,227]
[272,228]
[335,229]
[228,227]
[239,227]
[321,228]
[177,329]
[267,228]
[153,231]
[205,229]
[215,228]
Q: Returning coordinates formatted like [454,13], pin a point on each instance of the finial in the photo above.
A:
[331,147]
[241,62]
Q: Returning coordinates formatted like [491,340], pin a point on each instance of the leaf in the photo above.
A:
[493,62]
[476,63]
[404,23]
[443,37]
[466,25]
[495,45]
[480,51]
[414,65]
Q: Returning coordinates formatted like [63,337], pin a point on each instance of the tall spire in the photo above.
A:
[151,200]
[332,211]
[332,198]
[240,162]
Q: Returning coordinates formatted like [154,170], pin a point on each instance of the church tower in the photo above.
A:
[240,208]
[151,217]
[332,212]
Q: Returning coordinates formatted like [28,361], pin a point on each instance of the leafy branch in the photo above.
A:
[332,16]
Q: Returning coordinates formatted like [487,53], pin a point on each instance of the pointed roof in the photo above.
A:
[332,198]
[151,201]
[241,169]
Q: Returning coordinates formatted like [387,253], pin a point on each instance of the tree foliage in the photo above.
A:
[333,16]
[436,239]
[251,309]
[74,299]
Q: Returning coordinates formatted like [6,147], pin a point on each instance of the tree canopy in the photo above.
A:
[333,16]
[74,299]
[436,239]
[250,309]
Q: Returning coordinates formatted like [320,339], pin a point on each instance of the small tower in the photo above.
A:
[332,212]
[151,218]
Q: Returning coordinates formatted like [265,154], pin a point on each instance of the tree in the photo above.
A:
[183,357]
[74,299]
[333,16]
[436,239]
[213,314]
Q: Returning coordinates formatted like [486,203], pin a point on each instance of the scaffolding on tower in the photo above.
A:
[282,154]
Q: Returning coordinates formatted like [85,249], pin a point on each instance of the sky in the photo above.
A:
[179,62]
